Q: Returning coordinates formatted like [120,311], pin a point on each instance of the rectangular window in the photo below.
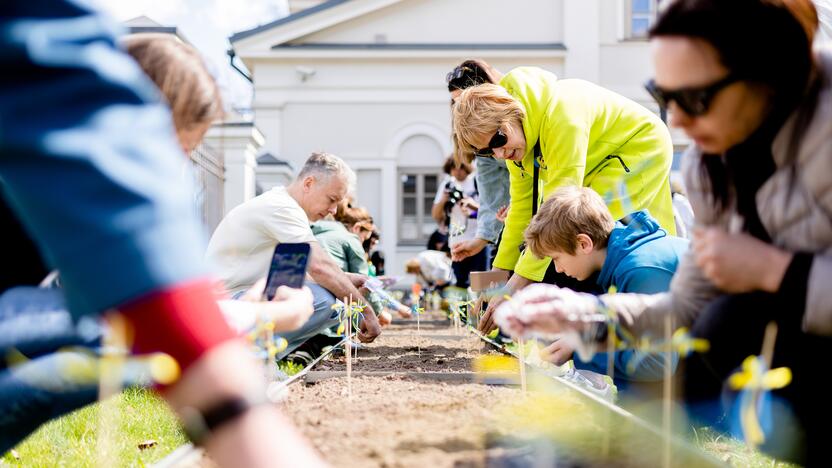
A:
[417,188]
[640,15]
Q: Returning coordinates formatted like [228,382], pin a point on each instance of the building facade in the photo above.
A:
[365,79]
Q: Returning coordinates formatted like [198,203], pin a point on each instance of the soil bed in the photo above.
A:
[403,351]
[392,422]
[396,418]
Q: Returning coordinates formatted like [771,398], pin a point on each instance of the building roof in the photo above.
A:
[287,19]
[268,159]
[143,24]
[421,46]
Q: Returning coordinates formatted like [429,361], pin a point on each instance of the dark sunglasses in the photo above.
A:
[497,141]
[694,101]
[462,78]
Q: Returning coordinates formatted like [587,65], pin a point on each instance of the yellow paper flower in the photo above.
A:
[684,344]
[753,377]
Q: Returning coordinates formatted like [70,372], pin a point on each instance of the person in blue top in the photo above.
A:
[575,228]
[90,168]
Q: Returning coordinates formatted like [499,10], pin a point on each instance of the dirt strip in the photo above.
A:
[398,419]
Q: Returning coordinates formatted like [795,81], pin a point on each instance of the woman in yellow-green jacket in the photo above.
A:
[583,134]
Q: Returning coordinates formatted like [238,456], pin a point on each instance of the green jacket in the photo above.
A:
[343,246]
[580,126]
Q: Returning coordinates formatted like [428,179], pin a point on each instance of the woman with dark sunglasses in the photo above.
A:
[741,79]
[569,132]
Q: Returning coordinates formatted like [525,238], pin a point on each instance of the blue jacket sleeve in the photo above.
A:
[646,280]
[630,365]
[493,186]
[89,158]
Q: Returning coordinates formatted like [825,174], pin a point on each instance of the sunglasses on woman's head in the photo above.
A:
[497,141]
[693,101]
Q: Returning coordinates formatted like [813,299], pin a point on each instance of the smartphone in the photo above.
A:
[288,268]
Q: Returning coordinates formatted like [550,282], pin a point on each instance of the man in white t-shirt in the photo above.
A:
[242,245]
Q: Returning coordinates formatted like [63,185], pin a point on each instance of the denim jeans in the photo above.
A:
[322,319]
[46,383]
[35,321]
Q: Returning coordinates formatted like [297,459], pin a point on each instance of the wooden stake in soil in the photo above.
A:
[668,383]
[418,329]
[767,354]
[110,384]
[415,296]
[521,348]
[348,344]
[611,373]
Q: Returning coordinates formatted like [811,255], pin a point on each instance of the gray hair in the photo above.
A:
[322,166]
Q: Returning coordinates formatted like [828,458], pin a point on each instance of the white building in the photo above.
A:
[364,79]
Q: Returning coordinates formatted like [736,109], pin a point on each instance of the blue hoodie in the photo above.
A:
[641,258]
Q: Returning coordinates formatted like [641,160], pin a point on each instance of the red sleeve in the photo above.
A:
[183,321]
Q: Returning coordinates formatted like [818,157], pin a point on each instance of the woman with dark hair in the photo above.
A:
[491,175]
[455,208]
[741,79]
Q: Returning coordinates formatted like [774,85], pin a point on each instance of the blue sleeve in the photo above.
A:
[645,280]
[630,365]
[493,186]
[89,158]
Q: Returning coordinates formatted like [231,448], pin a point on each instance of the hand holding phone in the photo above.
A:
[288,268]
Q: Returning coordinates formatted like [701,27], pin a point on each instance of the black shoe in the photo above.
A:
[314,346]
[301,358]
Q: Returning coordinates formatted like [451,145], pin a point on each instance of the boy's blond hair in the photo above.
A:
[568,212]
[482,110]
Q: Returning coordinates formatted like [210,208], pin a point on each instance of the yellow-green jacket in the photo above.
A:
[580,127]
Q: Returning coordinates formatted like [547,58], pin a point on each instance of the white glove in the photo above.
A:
[547,309]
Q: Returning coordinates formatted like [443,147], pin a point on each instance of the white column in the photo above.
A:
[269,119]
[390,213]
[582,23]
[239,143]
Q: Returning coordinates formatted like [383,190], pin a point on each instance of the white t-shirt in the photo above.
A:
[242,246]
[461,226]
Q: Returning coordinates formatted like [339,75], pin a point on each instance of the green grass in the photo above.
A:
[290,368]
[138,415]
[734,452]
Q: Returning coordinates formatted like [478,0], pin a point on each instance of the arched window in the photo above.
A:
[419,160]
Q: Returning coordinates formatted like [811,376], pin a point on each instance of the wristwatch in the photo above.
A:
[200,424]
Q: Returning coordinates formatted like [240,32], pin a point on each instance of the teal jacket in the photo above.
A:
[641,258]
[343,246]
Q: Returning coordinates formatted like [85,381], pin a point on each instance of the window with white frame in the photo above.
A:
[417,188]
[640,15]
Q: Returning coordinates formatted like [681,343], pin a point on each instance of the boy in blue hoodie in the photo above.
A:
[575,228]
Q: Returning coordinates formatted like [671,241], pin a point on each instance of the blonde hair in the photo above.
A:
[569,211]
[179,72]
[482,110]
